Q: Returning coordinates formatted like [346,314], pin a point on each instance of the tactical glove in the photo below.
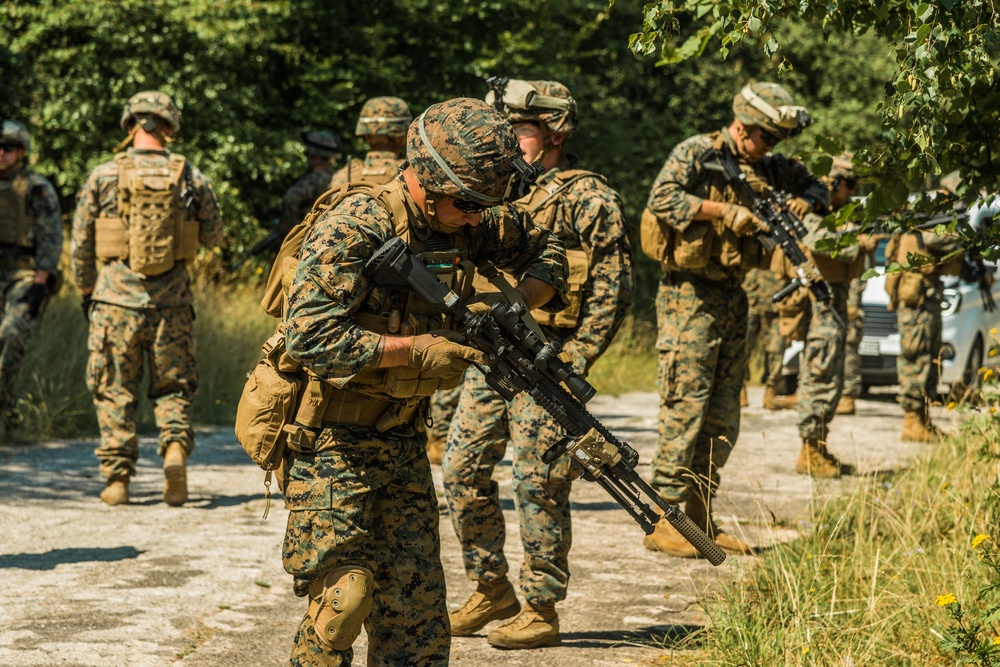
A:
[741,220]
[85,304]
[574,359]
[438,354]
[800,206]
[35,297]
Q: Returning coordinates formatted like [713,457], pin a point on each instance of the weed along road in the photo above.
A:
[146,585]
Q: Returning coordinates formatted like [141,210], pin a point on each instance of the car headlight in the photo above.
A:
[951,302]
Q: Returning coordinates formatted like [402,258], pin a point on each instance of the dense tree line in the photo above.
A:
[249,75]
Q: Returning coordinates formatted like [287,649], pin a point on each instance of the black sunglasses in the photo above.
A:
[768,138]
[9,147]
[466,206]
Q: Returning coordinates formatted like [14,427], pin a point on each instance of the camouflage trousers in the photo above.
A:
[476,443]
[763,324]
[853,386]
[16,327]
[119,340]
[821,366]
[918,365]
[443,405]
[702,361]
[368,499]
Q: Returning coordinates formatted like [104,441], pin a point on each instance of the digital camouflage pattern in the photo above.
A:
[368,499]
[702,359]
[702,320]
[392,530]
[136,316]
[298,200]
[563,121]
[117,283]
[821,365]
[853,386]
[917,366]
[588,216]
[383,116]
[17,272]
[118,341]
[154,103]
[762,322]
[474,140]
[377,167]
[443,406]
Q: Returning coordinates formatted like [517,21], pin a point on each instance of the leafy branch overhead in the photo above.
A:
[941,106]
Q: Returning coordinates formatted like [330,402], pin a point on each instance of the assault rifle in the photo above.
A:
[519,360]
[270,242]
[786,229]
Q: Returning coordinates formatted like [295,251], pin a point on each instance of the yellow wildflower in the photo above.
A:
[992,352]
[993,331]
[979,539]
[996,641]
[945,600]
[951,405]
[805,650]
[987,374]
[260,270]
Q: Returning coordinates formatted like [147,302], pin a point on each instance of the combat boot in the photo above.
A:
[772,401]
[666,539]
[917,427]
[744,401]
[435,449]
[489,602]
[175,490]
[816,460]
[845,406]
[116,492]
[702,517]
[536,626]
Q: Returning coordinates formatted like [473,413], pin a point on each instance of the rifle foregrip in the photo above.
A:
[696,536]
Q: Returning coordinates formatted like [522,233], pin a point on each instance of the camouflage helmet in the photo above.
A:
[465,148]
[769,106]
[320,143]
[151,103]
[843,166]
[547,102]
[388,116]
[12,132]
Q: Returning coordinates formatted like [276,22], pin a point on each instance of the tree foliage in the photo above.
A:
[250,75]
[940,103]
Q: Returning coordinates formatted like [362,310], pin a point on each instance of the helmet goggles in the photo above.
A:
[790,119]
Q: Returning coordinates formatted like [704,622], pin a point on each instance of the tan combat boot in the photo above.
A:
[845,406]
[666,539]
[435,449]
[536,626]
[116,492]
[816,460]
[744,401]
[702,517]
[175,490]
[772,401]
[489,602]
[917,427]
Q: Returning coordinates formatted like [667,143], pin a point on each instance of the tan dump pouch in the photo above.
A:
[186,240]
[569,317]
[655,237]
[693,246]
[911,289]
[110,238]
[793,315]
[348,408]
[269,402]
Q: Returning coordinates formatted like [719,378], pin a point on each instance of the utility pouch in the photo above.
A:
[793,315]
[693,246]
[568,317]
[911,289]
[656,238]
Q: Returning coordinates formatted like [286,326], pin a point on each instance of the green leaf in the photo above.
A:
[754,24]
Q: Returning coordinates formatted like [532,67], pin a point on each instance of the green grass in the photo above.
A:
[859,586]
[629,364]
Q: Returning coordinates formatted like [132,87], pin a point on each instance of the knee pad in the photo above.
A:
[341,605]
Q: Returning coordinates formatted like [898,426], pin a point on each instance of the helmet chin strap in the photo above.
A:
[430,211]
[741,145]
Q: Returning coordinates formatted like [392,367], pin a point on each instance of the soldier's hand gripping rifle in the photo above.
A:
[519,361]
[785,228]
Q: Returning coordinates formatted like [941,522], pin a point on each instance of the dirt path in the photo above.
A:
[82,584]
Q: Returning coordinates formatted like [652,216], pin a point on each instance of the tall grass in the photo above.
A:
[860,586]
[630,362]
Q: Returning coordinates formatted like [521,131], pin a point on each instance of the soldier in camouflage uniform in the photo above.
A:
[362,540]
[762,322]
[322,150]
[139,302]
[701,306]
[30,247]
[586,215]
[382,123]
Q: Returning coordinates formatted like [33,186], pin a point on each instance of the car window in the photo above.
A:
[880,252]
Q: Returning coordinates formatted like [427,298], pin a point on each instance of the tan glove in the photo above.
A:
[800,206]
[438,354]
[741,220]
[577,361]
